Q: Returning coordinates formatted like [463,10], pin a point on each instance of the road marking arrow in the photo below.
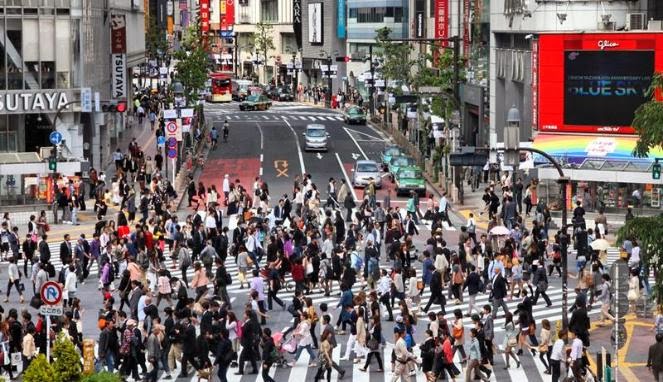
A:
[319,156]
[355,156]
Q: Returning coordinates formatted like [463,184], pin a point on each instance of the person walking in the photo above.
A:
[14,279]
[655,358]
[541,282]
[499,292]
[373,344]
[474,358]
[605,298]
[510,339]
[303,335]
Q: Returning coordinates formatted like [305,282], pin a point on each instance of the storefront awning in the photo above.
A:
[578,149]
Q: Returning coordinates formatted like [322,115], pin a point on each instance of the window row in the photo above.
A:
[376,15]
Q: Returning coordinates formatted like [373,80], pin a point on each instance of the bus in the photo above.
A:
[221,89]
[241,89]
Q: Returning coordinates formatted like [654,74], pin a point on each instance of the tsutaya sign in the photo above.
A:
[20,102]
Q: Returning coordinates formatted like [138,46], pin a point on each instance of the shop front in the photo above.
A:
[603,169]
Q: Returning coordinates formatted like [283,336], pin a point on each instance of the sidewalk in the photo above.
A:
[631,360]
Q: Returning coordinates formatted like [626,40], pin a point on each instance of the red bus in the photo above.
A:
[221,89]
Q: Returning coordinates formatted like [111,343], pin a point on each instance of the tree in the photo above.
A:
[192,65]
[155,39]
[648,232]
[263,41]
[67,365]
[648,120]
[396,63]
[39,370]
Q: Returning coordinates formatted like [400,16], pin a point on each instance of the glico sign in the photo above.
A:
[594,82]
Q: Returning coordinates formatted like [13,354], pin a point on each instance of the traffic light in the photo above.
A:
[52,164]
[656,170]
[343,59]
[114,107]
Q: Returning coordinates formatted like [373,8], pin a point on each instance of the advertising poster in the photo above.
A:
[340,25]
[297,21]
[315,23]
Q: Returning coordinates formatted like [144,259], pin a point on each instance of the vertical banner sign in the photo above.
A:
[146,22]
[340,23]
[230,13]
[162,13]
[223,11]
[184,13]
[466,28]
[297,21]
[204,16]
[419,24]
[215,13]
[535,84]
[119,56]
[441,25]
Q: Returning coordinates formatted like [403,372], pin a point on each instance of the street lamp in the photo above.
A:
[329,79]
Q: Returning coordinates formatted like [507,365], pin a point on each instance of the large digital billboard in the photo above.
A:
[593,83]
[605,88]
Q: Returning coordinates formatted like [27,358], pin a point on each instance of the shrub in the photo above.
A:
[67,361]
[39,370]
[104,376]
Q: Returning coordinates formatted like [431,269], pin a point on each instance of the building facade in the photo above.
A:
[49,51]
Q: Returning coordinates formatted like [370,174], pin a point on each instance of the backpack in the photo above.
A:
[229,279]
[61,276]
[125,347]
[358,261]
[186,258]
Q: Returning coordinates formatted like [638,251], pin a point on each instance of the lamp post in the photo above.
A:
[328,93]
[512,157]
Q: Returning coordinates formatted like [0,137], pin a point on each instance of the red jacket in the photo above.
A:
[298,272]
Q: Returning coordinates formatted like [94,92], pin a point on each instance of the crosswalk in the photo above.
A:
[540,311]
[258,117]
[301,372]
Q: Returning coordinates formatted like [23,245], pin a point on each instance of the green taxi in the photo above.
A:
[410,178]
[399,162]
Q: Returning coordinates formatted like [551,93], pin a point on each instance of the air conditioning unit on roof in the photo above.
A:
[636,21]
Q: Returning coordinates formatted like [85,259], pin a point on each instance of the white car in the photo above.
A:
[364,171]
[315,138]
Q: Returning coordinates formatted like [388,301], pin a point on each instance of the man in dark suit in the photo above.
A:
[134,297]
[499,292]
[279,213]
[44,250]
[655,358]
[65,250]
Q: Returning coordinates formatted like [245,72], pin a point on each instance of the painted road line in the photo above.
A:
[300,368]
[299,147]
[356,143]
[345,175]
[336,357]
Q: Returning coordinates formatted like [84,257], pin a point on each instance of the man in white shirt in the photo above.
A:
[226,188]
[576,354]
[557,356]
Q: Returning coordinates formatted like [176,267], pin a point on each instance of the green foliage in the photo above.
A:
[648,232]
[192,65]
[396,64]
[648,120]
[155,39]
[67,365]
[39,371]
[441,75]
[263,40]
[104,376]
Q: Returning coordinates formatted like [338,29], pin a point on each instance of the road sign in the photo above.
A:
[172,142]
[172,152]
[97,102]
[51,310]
[333,68]
[324,68]
[226,34]
[51,293]
[161,141]
[55,137]
[86,100]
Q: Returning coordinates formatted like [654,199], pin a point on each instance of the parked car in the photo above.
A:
[410,178]
[388,153]
[285,94]
[256,102]
[354,114]
[363,171]
[315,137]
[399,162]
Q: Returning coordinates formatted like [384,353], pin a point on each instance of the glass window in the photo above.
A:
[48,74]
[398,14]
[75,53]
[371,15]
[3,78]
[389,12]
[269,11]
[47,40]
[352,14]
[431,8]
[14,55]
[63,53]
[288,43]
[30,40]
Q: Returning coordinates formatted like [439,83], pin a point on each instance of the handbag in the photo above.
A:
[373,344]
[512,342]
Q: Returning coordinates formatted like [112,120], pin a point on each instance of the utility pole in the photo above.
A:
[329,82]
[235,54]
[371,104]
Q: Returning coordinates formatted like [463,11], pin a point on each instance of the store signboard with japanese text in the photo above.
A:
[441,25]
[118,56]
[297,21]
[593,83]
[204,15]
[341,28]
